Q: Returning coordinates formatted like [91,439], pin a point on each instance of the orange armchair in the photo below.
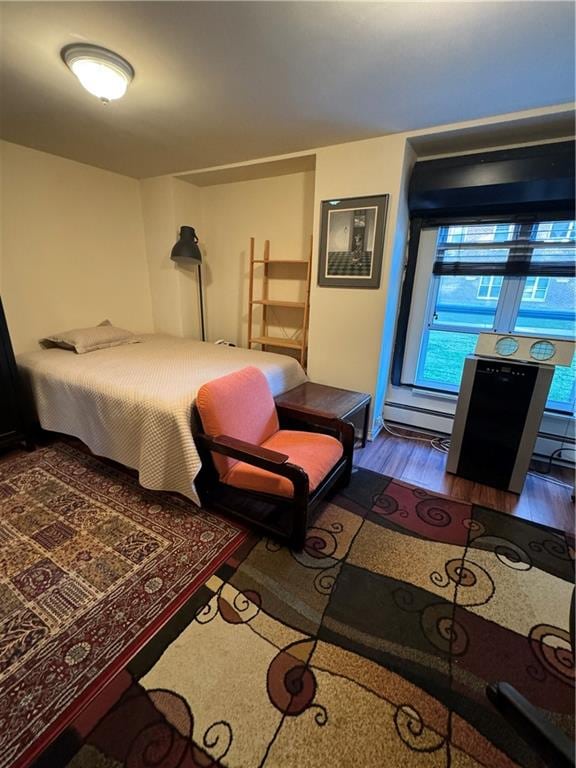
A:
[254,468]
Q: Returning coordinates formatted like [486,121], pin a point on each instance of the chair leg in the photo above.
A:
[299,529]
[298,536]
[348,443]
[346,476]
[300,510]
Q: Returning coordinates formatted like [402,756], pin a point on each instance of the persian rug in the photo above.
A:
[91,565]
[373,647]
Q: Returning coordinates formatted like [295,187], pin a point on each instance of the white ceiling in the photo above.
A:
[222,82]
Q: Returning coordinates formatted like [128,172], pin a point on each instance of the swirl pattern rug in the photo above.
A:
[91,565]
[371,648]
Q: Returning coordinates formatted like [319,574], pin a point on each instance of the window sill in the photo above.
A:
[434,393]
[452,397]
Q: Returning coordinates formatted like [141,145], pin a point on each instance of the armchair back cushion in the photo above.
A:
[240,405]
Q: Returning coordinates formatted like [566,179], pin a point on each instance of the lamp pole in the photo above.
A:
[201,301]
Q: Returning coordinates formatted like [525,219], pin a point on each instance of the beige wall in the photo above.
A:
[168,204]
[225,217]
[160,232]
[72,247]
[347,324]
[122,270]
[279,209]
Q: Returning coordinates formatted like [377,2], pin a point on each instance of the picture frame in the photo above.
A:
[352,242]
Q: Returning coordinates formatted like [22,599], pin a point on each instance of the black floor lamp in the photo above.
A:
[186,251]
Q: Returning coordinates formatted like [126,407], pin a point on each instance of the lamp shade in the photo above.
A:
[186,249]
[103,73]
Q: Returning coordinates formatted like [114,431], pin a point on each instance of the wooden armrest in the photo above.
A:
[256,451]
[271,461]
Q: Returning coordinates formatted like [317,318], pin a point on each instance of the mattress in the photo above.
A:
[133,403]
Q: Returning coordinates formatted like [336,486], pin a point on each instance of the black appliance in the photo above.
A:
[498,414]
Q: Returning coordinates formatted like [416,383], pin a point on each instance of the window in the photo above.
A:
[489,287]
[536,288]
[501,278]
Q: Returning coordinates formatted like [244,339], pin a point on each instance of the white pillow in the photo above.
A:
[83,340]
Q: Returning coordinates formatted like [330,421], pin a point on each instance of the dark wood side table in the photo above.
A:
[341,403]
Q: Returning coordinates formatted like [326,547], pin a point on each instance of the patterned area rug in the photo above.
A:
[91,565]
[371,648]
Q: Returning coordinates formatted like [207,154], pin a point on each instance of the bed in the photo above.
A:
[133,403]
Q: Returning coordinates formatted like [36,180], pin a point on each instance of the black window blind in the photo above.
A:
[536,248]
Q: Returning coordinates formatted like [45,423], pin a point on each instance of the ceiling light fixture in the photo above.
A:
[102,72]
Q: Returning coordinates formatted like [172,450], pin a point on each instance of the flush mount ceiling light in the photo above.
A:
[102,72]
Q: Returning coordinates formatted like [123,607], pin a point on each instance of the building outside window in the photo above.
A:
[536,288]
[489,287]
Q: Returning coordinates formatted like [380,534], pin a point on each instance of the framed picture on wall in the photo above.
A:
[352,242]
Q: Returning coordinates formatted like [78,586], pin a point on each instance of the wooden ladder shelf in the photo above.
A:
[264,337]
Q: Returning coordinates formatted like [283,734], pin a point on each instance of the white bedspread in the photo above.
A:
[133,403]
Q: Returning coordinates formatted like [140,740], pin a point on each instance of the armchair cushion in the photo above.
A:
[240,405]
[315,453]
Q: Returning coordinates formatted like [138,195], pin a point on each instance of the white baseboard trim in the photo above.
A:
[440,423]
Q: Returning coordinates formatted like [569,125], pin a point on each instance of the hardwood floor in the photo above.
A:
[415,461]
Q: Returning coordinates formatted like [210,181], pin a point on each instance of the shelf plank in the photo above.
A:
[275,303]
[279,261]
[272,341]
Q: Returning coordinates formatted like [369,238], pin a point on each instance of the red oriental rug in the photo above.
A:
[91,566]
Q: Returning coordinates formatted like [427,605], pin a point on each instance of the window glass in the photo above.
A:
[554,255]
[562,391]
[563,231]
[548,307]
[442,357]
[472,244]
[477,233]
[472,255]
[466,301]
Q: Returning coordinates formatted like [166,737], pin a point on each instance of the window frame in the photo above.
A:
[406,365]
